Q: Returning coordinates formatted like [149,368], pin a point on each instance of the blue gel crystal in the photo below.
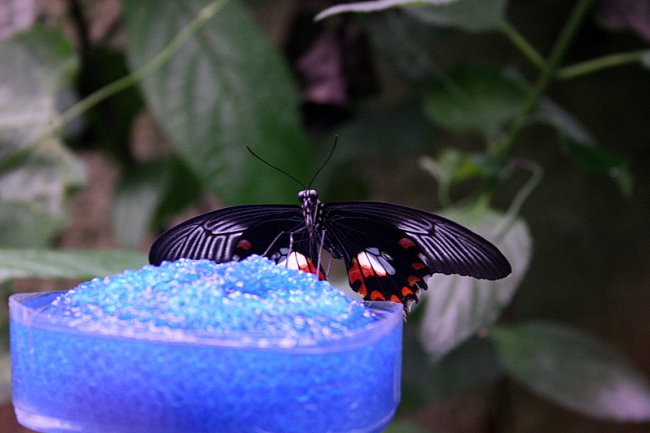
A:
[194,346]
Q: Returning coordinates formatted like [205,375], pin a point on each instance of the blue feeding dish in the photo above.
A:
[194,346]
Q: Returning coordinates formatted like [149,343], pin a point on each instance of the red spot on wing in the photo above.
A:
[355,275]
[406,243]
[407,292]
[244,244]
[418,265]
[412,280]
[311,268]
[411,283]
[296,260]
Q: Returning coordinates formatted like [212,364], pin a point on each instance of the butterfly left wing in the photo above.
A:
[390,250]
[234,233]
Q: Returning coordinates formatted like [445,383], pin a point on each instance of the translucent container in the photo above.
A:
[67,380]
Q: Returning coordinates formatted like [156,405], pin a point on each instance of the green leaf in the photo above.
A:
[372,6]
[73,264]
[146,191]
[385,132]
[475,99]
[136,200]
[180,190]
[37,172]
[456,307]
[601,162]
[226,87]
[453,166]
[580,145]
[573,369]
[34,194]
[34,67]
[645,59]
[405,44]
[469,15]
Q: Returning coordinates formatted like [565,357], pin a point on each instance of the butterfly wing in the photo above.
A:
[390,250]
[234,233]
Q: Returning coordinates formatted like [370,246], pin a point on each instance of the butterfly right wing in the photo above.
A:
[234,233]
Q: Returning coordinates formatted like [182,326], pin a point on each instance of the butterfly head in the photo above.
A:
[308,197]
[311,211]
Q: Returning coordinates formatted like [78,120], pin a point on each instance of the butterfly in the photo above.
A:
[389,250]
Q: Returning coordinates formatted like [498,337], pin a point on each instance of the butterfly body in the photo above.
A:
[389,250]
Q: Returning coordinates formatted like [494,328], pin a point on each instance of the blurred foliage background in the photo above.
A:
[526,120]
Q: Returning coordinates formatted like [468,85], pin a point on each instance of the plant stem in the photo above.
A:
[502,150]
[536,174]
[600,63]
[163,57]
[524,46]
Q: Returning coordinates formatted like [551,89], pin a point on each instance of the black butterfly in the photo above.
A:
[389,250]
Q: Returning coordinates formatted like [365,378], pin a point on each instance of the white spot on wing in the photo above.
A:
[295,260]
[373,259]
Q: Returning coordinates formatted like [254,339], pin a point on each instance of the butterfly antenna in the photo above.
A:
[290,176]
[322,166]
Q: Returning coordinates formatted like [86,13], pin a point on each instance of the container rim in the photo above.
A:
[25,309]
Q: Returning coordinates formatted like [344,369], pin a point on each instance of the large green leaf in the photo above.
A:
[146,193]
[477,99]
[405,44]
[578,143]
[453,166]
[645,59]
[373,6]
[73,264]
[34,67]
[574,370]
[471,15]
[37,172]
[456,307]
[225,88]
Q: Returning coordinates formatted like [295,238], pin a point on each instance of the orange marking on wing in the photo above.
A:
[377,296]
[367,269]
[244,244]
[355,273]
[395,298]
[370,272]
[359,272]
[406,291]
[413,280]
[418,265]
[406,243]
[311,268]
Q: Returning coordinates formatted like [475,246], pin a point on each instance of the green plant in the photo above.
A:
[498,105]
[215,84]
